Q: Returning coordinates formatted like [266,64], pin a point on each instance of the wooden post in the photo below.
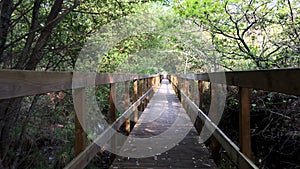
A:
[112,95]
[135,96]
[141,107]
[244,122]
[200,91]
[148,87]
[191,91]
[200,123]
[80,136]
[153,83]
[187,93]
[187,87]
[113,117]
[145,90]
[192,84]
[215,145]
[127,102]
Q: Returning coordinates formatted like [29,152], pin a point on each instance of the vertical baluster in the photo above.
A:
[127,104]
[141,107]
[80,136]
[200,123]
[215,145]
[192,94]
[244,121]
[145,90]
[135,96]
[200,91]
[113,116]
[112,107]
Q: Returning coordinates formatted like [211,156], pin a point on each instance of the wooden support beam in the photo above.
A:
[127,104]
[145,90]
[80,136]
[215,145]
[200,123]
[112,107]
[148,87]
[141,106]
[200,91]
[158,81]
[135,97]
[187,93]
[192,94]
[244,121]
[113,116]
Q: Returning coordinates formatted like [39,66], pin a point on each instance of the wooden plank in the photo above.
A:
[18,83]
[276,80]
[80,136]
[186,153]
[244,122]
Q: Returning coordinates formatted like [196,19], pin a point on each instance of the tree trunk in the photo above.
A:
[7,8]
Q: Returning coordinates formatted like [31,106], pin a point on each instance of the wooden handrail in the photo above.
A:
[278,80]
[18,83]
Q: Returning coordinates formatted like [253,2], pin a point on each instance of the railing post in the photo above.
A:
[145,90]
[141,106]
[244,121]
[187,93]
[200,91]
[200,123]
[127,102]
[153,83]
[135,96]
[158,81]
[80,136]
[215,145]
[148,87]
[192,84]
[113,116]
[112,107]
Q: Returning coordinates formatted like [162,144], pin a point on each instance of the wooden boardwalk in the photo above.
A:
[164,137]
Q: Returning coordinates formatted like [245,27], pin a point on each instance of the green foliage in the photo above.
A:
[248,35]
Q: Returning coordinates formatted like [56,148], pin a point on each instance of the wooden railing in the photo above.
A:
[14,83]
[19,83]
[282,80]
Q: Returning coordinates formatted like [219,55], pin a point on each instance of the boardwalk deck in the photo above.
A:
[164,137]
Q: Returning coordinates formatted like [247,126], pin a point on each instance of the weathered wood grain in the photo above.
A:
[278,80]
[18,83]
